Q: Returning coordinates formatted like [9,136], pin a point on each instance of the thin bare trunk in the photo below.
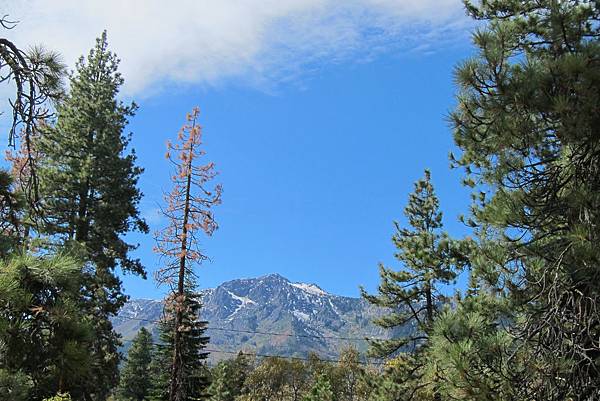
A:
[175,390]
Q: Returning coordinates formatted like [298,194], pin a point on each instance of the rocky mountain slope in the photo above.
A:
[244,315]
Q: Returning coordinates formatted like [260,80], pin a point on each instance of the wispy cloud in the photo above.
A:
[206,42]
[153,216]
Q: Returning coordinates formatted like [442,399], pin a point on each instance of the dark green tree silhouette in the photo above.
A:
[194,380]
[89,196]
[136,380]
[429,259]
[45,338]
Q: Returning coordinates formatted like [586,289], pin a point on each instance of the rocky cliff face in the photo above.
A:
[243,315]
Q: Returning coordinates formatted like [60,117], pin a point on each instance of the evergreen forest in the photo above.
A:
[524,327]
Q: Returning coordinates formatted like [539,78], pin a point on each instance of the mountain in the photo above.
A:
[243,315]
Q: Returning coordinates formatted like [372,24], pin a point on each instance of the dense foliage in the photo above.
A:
[59,250]
[89,196]
[527,128]
[525,125]
[193,379]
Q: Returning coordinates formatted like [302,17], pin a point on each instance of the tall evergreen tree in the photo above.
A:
[527,127]
[189,213]
[88,183]
[429,259]
[135,380]
[412,295]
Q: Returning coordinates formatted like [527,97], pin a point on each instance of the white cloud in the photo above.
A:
[208,41]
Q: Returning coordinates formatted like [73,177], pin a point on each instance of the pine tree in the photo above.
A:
[135,378]
[189,213]
[88,184]
[527,128]
[15,385]
[321,390]
[194,378]
[162,358]
[472,357]
[44,336]
[384,386]
[37,75]
[429,259]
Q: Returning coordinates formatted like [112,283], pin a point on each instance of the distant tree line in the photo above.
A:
[247,377]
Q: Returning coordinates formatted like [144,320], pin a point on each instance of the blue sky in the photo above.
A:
[317,145]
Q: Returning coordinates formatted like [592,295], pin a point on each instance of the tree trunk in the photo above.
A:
[429,303]
[175,388]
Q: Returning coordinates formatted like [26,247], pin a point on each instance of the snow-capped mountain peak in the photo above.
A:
[248,313]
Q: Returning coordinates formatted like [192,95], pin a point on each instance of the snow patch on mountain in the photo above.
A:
[301,315]
[138,307]
[244,301]
[310,288]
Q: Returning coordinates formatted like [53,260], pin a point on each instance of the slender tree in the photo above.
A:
[412,295]
[219,387]
[189,213]
[135,381]
[88,183]
[429,259]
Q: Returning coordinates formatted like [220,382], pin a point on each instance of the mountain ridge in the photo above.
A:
[270,315]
